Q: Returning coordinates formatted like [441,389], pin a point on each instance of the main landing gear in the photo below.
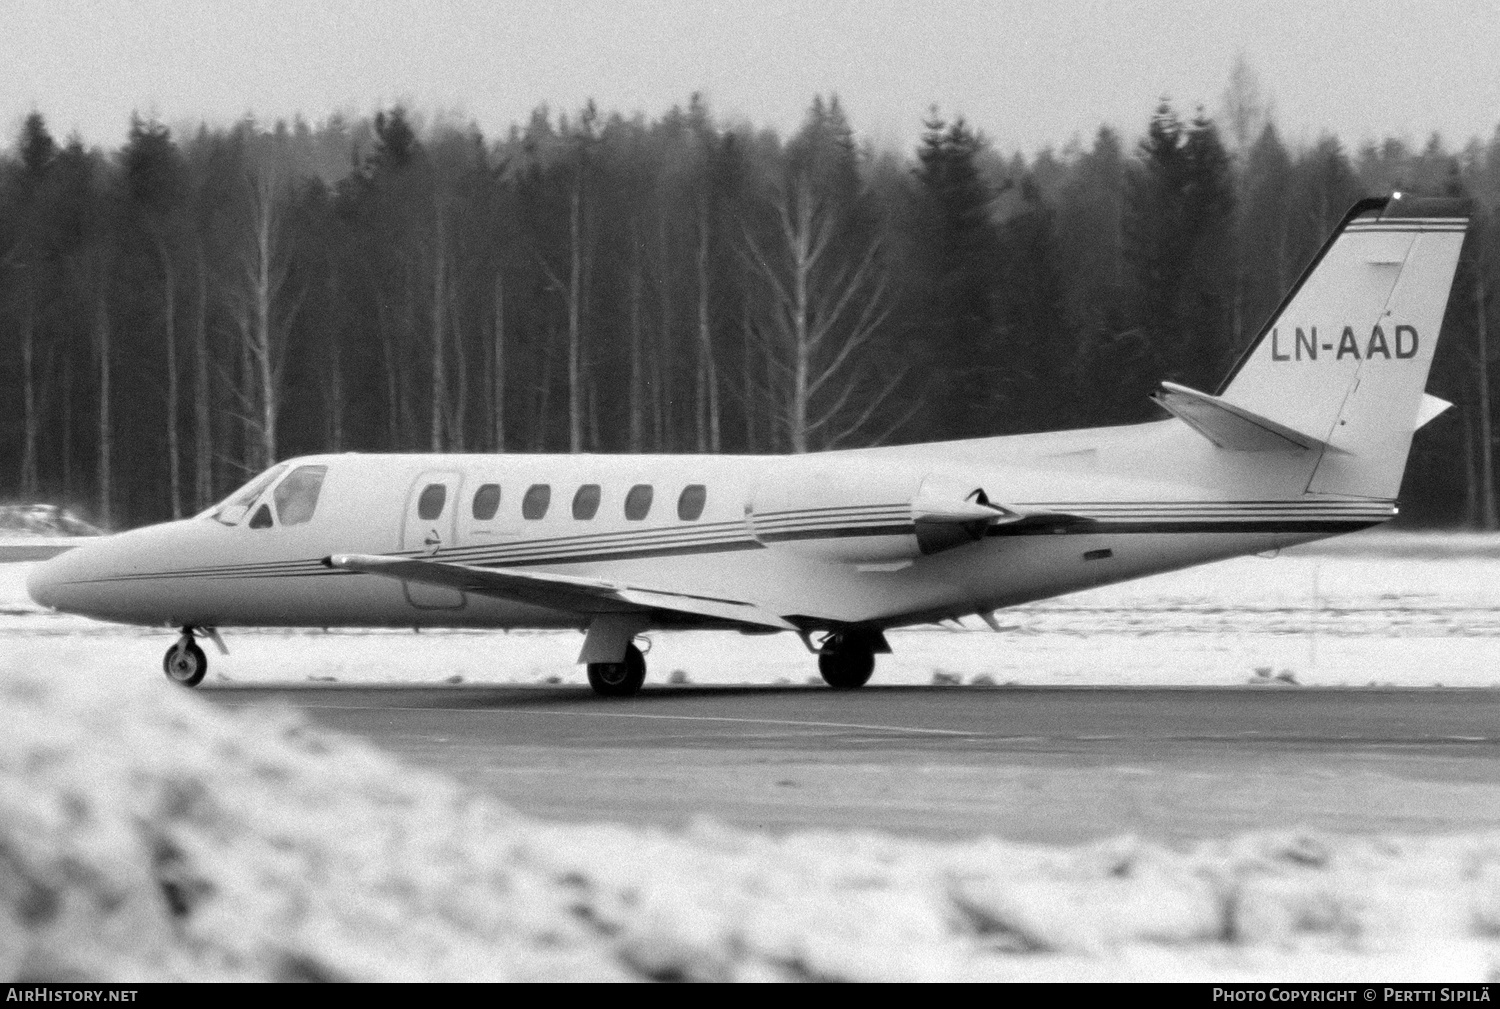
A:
[185,662]
[619,679]
[846,659]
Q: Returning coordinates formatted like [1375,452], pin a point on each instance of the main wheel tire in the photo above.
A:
[185,664]
[846,667]
[619,679]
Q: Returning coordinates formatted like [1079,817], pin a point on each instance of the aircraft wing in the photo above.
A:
[559,592]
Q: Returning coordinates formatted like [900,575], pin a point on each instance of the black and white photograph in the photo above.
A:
[692,491]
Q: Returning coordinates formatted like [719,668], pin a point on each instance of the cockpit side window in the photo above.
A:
[297,496]
[232,510]
[262,518]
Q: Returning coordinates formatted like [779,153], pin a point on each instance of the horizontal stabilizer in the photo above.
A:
[1231,427]
[568,593]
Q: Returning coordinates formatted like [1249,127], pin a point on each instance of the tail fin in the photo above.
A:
[1345,357]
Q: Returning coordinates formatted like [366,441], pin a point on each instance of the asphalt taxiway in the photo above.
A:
[1025,764]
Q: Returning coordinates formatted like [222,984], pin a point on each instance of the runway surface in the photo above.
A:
[1026,764]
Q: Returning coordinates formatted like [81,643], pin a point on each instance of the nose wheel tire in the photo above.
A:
[619,679]
[846,664]
[185,663]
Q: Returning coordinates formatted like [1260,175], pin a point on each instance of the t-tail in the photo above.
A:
[1341,367]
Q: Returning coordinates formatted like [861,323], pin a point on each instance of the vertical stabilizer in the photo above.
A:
[1346,355]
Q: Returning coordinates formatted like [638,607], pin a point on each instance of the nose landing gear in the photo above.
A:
[185,662]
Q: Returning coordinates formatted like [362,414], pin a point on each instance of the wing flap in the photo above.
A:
[559,592]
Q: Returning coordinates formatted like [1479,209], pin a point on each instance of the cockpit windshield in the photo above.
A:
[232,509]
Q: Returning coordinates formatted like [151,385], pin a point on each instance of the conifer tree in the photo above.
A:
[1036,349]
[959,252]
[154,192]
[26,261]
[1089,236]
[1178,213]
[1266,270]
[1205,301]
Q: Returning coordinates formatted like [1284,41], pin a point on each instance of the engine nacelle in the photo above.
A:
[866,515]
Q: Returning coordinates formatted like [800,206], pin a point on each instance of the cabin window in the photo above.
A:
[638,502]
[486,502]
[297,496]
[690,502]
[430,504]
[534,504]
[586,501]
[262,518]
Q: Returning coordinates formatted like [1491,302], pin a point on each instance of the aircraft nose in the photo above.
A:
[45,581]
[62,582]
[103,577]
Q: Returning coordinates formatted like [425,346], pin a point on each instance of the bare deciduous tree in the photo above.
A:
[706,413]
[496,370]
[262,306]
[1246,110]
[824,307]
[97,274]
[30,421]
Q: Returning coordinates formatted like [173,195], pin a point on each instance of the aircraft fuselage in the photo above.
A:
[827,540]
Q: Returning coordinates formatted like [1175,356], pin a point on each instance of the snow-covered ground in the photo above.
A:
[145,835]
[1384,608]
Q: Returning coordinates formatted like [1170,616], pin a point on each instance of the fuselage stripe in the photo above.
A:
[1246,521]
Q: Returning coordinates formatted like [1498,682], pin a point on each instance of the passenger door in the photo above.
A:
[431,508]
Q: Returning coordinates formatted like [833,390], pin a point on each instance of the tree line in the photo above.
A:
[180,312]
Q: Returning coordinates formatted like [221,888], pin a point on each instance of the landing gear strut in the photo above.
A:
[846,660]
[185,662]
[619,679]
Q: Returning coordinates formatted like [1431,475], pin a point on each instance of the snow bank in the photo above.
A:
[43,520]
[34,532]
[145,835]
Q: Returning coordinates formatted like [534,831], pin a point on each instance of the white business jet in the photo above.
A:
[1307,438]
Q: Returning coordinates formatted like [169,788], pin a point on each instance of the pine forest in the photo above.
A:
[179,312]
